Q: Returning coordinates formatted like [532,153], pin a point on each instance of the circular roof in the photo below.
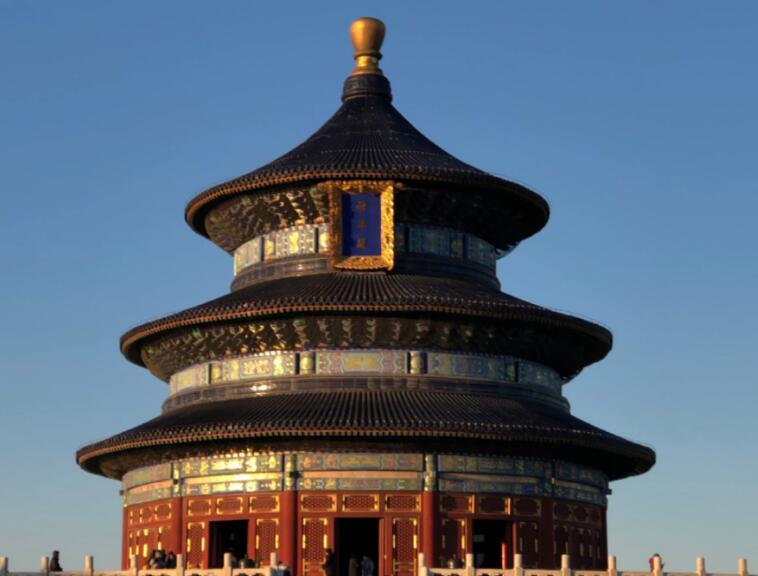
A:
[379,292]
[528,429]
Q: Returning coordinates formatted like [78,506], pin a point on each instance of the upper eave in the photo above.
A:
[367,138]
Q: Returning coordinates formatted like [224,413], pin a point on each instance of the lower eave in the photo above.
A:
[408,416]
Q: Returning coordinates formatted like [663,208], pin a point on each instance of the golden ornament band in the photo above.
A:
[500,369]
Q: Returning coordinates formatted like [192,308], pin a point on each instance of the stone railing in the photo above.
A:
[134,569]
[423,570]
[565,570]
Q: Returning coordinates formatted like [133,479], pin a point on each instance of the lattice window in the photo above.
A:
[560,543]
[232,505]
[456,503]
[165,537]
[594,515]
[528,536]
[145,514]
[561,510]
[453,539]
[404,546]
[163,511]
[264,503]
[131,542]
[199,507]
[195,544]
[575,536]
[360,502]
[314,544]
[580,514]
[526,507]
[317,502]
[492,504]
[266,538]
[402,503]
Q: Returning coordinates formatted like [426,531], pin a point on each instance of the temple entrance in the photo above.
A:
[356,536]
[492,543]
[227,536]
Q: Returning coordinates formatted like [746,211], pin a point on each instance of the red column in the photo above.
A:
[603,539]
[177,543]
[429,526]
[547,536]
[125,539]
[288,529]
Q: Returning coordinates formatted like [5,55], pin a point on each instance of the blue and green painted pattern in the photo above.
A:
[372,362]
[312,239]
[250,472]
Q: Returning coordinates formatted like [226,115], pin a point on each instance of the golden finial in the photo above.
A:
[367,35]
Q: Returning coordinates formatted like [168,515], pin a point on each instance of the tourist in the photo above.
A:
[328,565]
[367,566]
[246,562]
[353,567]
[55,562]
[233,562]
[152,559]
[282,568]
[170,560]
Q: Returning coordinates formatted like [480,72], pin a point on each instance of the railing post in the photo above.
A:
[3,566]
[657,567]
[89,565]
[612,571]
[134,565]
[699,566]
[469,565]
[180,565]
[565,565]
[422,571]
[518,565]
[44,566]
[227,564]
[742,567]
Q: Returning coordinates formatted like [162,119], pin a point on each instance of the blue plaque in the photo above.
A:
[361,225]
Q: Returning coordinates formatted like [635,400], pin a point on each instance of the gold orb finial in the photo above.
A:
[367,35]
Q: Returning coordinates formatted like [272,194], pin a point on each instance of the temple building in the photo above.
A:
[365,386]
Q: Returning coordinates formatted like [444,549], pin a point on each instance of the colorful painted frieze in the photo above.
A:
[367,362]
[539,375]
[580,474]
[310,239]
[243,483]
[480,251]
[517,466]
[470,366]
[148,492]
[361,362]
[146,475]
[364,483]
[359,461]
[515,486]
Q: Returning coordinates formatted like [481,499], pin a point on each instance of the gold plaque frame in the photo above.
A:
[385,189]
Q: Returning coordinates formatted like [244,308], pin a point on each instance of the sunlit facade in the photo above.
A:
[366,386]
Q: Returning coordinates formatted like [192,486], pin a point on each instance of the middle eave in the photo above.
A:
[377,293]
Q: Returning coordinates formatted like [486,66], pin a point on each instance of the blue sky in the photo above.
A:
[637,121]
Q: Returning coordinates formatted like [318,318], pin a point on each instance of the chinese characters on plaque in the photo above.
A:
[362,221]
